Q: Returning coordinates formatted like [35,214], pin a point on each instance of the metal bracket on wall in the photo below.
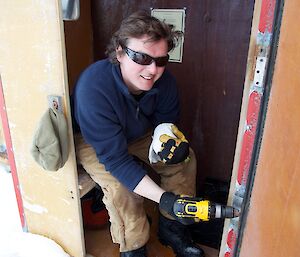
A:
[70,9]
[55,102]
[259,75]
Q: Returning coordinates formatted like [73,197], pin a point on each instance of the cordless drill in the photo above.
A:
[202,210]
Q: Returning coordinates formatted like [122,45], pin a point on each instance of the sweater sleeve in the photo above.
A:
[100,127]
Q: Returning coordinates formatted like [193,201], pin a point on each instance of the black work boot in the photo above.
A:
[176,235]
[141,252]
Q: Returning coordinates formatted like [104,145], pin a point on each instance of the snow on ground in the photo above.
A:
[13,241]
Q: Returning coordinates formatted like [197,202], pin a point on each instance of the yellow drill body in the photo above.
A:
[202,210]
[194,209]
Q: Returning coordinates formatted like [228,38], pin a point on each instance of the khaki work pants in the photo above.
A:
[129,224]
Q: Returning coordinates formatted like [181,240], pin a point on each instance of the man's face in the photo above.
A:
[139,77]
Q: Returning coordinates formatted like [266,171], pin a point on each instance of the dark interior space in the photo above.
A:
[210,77]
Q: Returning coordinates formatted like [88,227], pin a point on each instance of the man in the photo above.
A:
[117,102]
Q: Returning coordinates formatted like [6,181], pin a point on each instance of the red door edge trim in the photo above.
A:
[10,154]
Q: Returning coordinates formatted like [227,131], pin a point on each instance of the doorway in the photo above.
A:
[210,78]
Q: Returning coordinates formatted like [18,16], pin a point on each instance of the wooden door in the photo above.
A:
[32,66]
[273,223]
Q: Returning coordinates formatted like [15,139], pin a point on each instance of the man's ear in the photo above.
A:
[119,53]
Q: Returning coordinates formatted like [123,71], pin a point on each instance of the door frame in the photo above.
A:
[260,64]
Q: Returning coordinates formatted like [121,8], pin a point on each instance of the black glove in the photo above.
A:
[168,202]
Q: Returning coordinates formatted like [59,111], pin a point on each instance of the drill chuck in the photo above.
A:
[222,211]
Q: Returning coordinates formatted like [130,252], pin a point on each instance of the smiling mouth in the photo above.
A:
[147,77]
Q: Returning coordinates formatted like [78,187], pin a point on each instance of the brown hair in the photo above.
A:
[137,25]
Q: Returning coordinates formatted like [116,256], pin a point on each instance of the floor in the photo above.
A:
[99,244]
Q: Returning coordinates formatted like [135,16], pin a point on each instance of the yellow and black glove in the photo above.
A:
[169,145]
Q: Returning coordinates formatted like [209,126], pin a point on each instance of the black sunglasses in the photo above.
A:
[145,59]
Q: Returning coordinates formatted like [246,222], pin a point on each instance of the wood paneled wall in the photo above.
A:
[79,43]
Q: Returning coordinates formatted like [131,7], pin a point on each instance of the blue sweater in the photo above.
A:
[109,117]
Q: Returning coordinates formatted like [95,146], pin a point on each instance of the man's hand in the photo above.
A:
[169,203]
[169,145]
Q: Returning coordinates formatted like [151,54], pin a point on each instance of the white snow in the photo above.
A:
[21,244]
[13,241]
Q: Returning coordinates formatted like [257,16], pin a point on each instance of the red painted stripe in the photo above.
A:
[10,154]
[227,254]
[249,137]
[231,239]
[266,16]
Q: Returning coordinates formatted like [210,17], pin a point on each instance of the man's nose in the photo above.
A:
[152,67]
